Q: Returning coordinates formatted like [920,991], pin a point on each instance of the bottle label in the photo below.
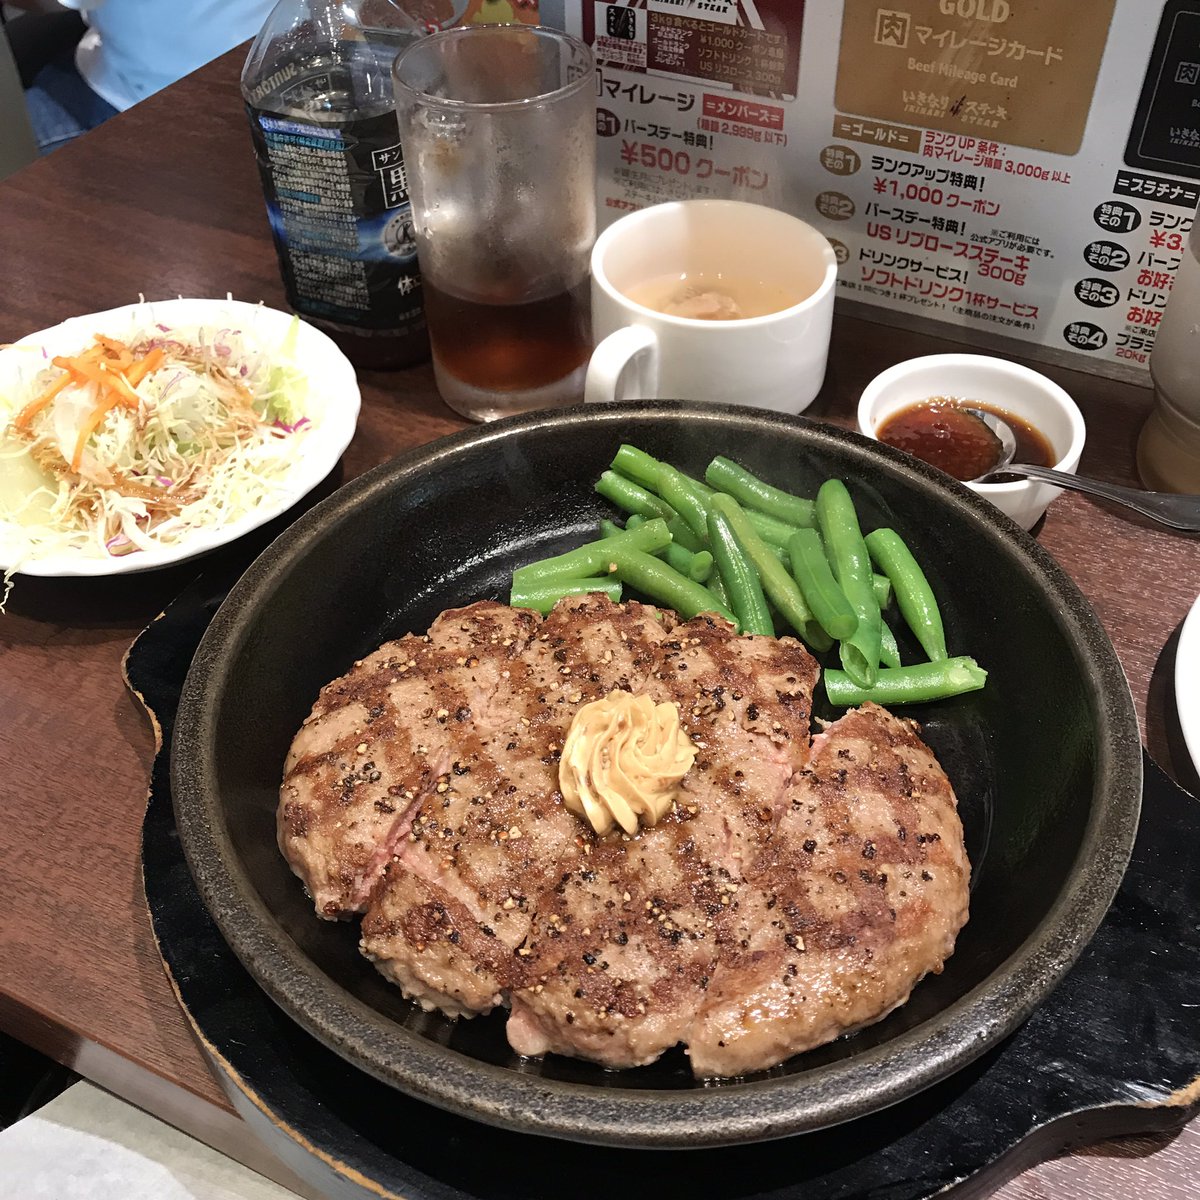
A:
[337,200]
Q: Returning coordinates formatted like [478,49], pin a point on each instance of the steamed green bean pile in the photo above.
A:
[768,562]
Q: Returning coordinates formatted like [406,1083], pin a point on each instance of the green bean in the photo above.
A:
[611,528]
[881,584]
[716,585]
[543,596]
[844,544]
[776,582]
[883,588]
[654,579]
[637,465]
[741,579]
[810,569]
[684,499]
[889,652]
[680,533]
[632,498]
[909,685]
[593,558]
[644,470]
[697,565]
[778,551]
[914,596]
[727,476]
[770,528]
[697,485]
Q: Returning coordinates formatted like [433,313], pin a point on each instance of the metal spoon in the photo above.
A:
[1177,512]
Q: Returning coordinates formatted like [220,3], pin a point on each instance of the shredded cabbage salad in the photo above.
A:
[131,444]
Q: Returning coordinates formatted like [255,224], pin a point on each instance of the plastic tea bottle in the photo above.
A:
[318,91]
[1168,454]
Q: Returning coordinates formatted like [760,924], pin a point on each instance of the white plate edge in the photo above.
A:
[1187,681]
[319,456]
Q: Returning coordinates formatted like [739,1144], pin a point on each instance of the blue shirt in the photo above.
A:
[134,48]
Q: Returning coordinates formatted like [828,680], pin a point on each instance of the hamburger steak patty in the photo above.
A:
[798,889]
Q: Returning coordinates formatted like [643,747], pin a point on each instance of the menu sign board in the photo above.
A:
[1166,126]
[1022,74]
[1023,171]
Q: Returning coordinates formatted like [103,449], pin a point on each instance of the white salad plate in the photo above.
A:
[1187,682]
[329,399]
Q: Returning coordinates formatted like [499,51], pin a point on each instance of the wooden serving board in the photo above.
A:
[1115,1050]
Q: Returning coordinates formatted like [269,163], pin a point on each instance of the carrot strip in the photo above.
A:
[140,369]
[128,397]
[112,345]
[110,365]
[107,380]
[36,405]
[90,426]
[91,354]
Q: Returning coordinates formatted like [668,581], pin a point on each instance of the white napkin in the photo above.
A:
[87,1144]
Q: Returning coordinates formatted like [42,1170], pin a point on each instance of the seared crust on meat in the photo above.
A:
[377,741]
[856,893]
[817,886]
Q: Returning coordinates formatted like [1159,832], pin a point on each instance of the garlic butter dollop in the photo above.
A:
[622,761]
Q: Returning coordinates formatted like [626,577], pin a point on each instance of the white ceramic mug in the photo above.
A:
[772,361]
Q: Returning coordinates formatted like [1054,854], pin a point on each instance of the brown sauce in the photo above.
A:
[938,432]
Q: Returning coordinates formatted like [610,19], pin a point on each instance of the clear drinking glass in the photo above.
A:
[498,128]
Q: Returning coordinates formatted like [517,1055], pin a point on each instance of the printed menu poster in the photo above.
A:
[1025,171]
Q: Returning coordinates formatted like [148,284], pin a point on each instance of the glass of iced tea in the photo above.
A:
[498,128]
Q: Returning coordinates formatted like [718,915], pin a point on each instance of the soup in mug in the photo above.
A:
[714,296]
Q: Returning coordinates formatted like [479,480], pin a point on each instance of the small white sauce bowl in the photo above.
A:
[1000,384]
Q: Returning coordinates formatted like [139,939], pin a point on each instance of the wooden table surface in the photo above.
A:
[164,200]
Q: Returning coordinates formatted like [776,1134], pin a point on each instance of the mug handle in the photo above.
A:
[634,345]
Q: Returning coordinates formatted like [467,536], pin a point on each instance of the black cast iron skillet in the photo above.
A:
[1046,761]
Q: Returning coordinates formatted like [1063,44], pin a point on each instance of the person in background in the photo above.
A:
[129,49]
